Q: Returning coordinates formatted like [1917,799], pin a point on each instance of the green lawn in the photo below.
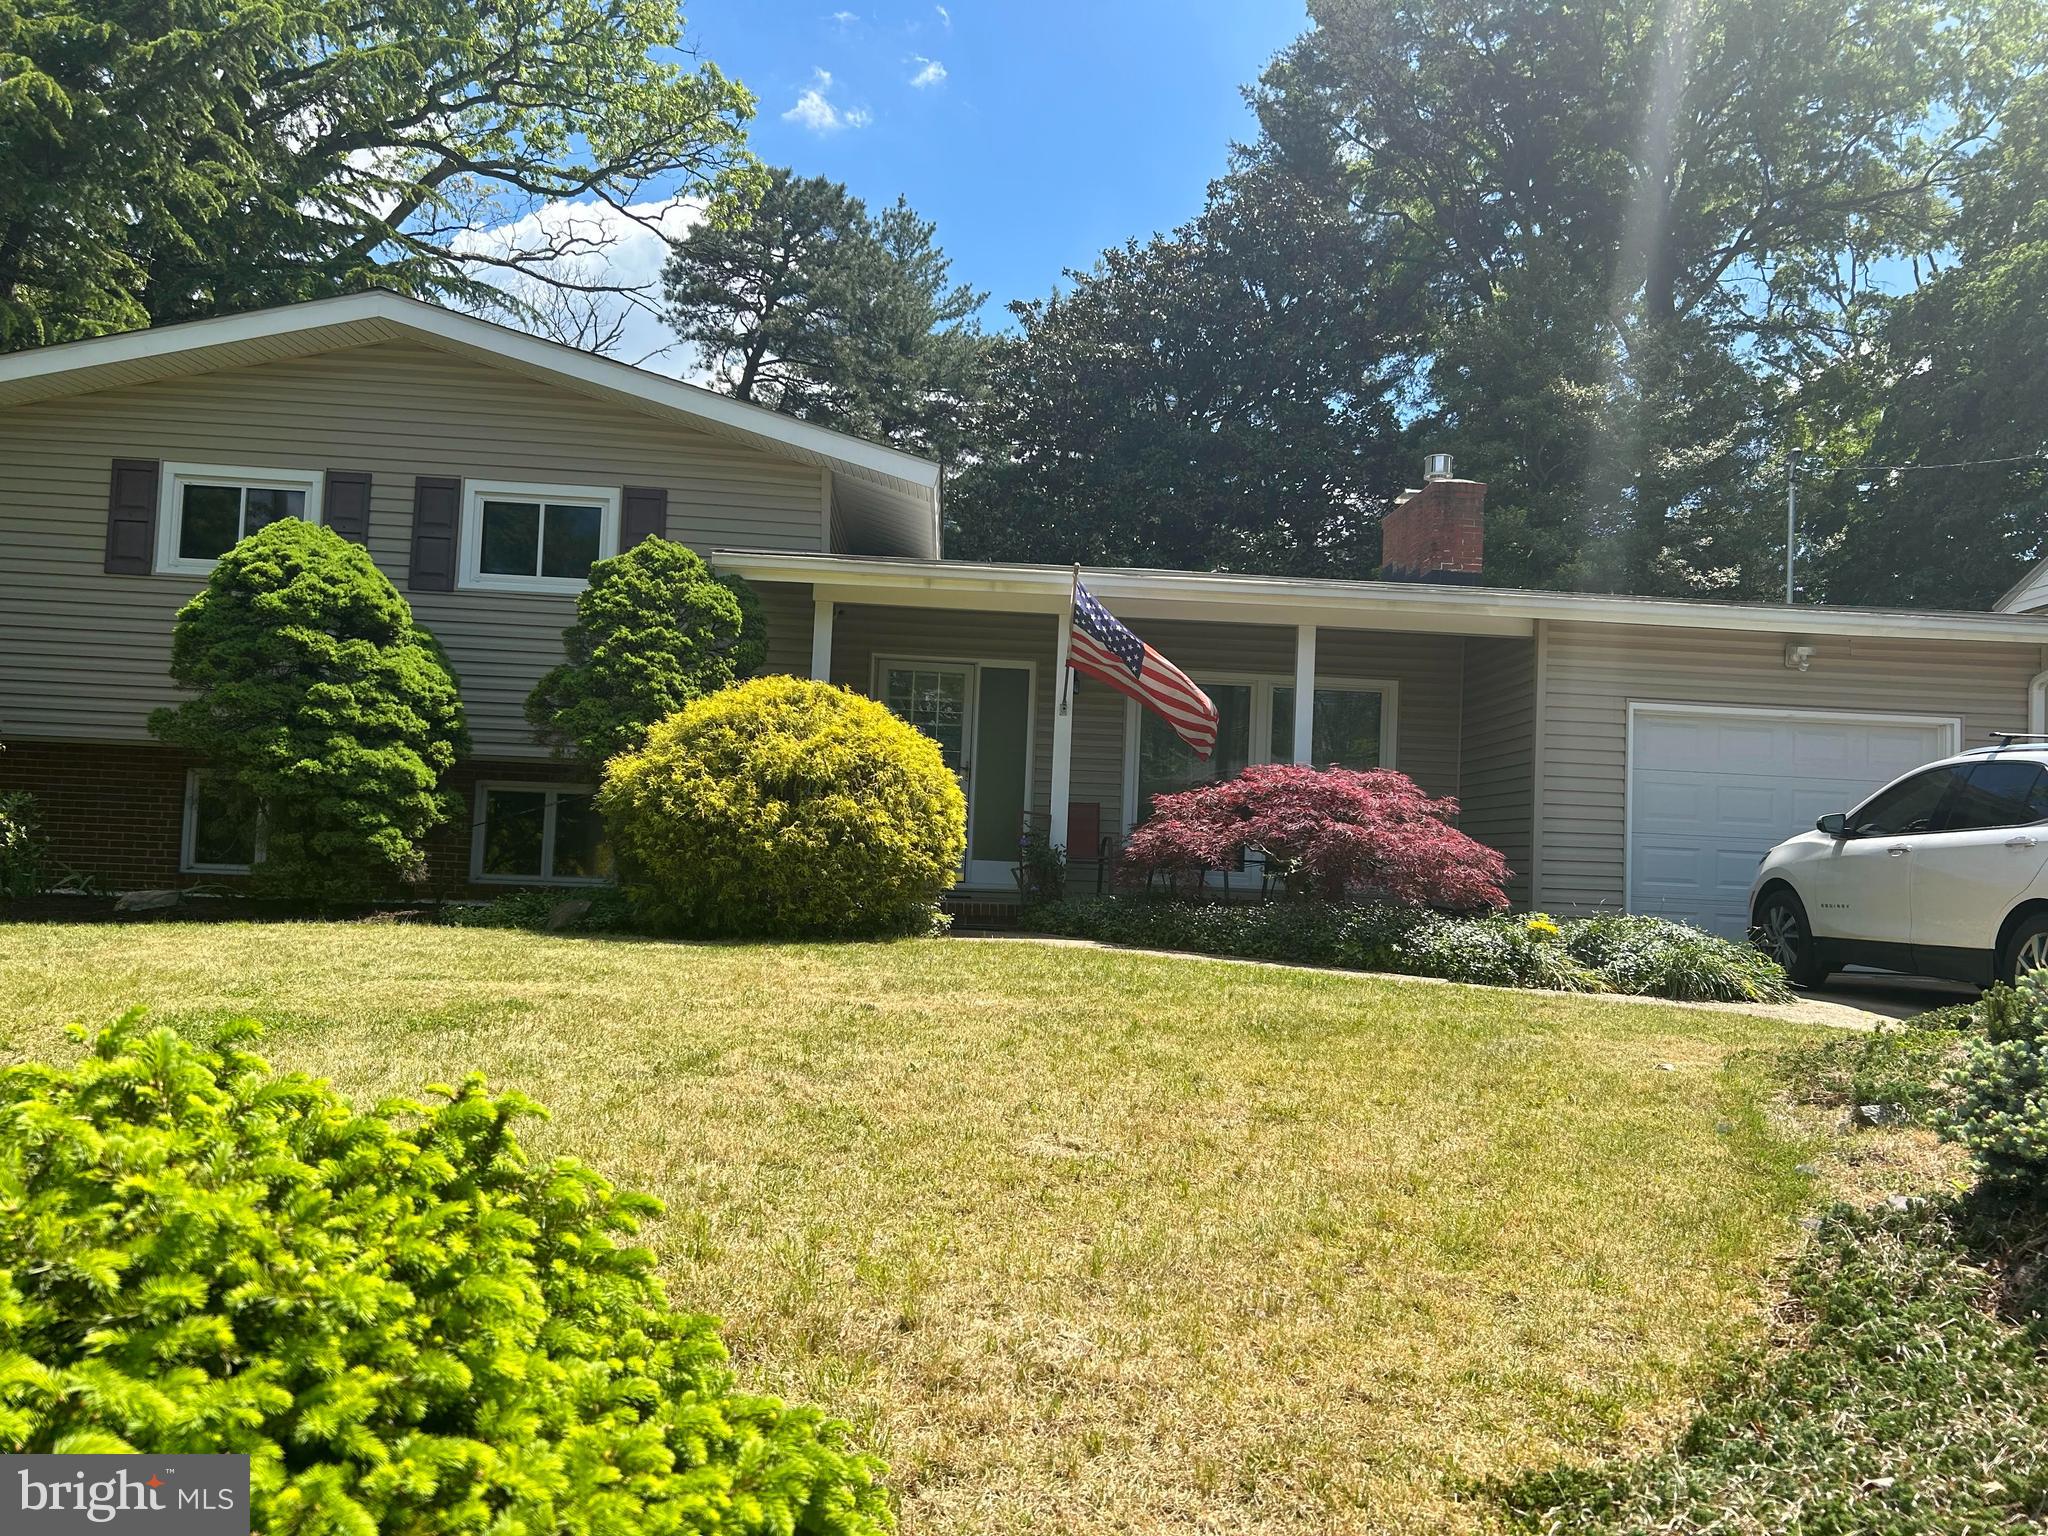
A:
[1079,1240]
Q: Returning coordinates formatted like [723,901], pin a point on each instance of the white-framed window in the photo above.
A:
[521,537]
[538,834]
[205,510]
[218,837]
[1353,728]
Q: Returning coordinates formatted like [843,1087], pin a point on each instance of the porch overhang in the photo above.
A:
[1292,601]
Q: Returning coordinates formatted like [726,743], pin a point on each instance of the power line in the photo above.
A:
[2017,458]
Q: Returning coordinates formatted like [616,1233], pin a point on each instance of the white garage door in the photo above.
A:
[1710,789]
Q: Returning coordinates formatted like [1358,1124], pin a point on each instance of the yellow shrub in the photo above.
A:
[784,807]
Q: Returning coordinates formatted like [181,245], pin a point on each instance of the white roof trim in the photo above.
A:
[68,368]
[2026,594]
[1470,609]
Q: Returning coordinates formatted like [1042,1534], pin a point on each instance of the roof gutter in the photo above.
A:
[1035,587]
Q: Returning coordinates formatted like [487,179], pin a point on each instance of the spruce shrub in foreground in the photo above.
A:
[408,1325]
[782,807]
[319,703]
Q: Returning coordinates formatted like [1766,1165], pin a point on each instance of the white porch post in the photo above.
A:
[1304,692]
[821,639]
[1062,734]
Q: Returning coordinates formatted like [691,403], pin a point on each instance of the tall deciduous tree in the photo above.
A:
[168,159]
[1959,379]
[806,302]
[1221,397]
[1657,214]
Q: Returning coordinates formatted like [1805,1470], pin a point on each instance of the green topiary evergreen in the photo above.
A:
[785,807]
[321,706]
[405,1323]
[2000,1088]
[654,629]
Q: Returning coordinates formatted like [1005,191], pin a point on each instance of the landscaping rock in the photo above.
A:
[148,901]
[567,914]
[1873,1116]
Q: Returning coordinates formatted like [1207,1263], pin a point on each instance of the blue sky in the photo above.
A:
[1042,131]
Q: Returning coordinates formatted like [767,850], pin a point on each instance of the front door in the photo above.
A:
[979,713]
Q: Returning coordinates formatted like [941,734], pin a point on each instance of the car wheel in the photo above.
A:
[2026,949]
[1783,933]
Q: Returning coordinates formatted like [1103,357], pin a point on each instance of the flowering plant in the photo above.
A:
[1323,832]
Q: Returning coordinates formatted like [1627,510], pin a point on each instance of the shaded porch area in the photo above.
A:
[1451,705]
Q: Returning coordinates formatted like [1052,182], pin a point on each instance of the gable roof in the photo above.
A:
[2027,594]
[887,500]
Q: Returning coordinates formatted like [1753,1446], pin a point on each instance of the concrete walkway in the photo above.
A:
[1850,1000]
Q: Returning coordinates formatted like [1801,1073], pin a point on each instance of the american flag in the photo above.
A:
[1103,649]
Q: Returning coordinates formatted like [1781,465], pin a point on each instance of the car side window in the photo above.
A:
[2002,793]
[1911,806]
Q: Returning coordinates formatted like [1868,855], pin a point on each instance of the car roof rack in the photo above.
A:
[2000,740]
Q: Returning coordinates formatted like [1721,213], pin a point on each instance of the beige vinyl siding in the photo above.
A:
[790,612]
[1097,766]
[1592,672]
[85,655]
[1428,670]
[1496,781]
[861,633]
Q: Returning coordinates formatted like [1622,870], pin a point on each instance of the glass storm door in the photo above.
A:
[980,715]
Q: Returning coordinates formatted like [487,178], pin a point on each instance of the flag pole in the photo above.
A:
[1066,671]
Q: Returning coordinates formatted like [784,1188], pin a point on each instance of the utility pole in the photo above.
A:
[1791,523]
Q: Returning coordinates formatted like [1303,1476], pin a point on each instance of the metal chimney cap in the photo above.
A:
[1436,466]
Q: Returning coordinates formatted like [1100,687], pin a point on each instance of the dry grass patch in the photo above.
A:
[1087,1241]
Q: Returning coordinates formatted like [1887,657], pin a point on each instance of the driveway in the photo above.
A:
[1896,997]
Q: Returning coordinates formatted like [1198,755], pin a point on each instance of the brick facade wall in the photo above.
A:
[116,812]
[112,812]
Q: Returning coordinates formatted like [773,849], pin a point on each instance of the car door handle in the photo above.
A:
[2022,841]
[1898,848]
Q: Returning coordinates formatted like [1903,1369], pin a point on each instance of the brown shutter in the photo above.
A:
[436,522]
[346,506]
[131,517]
[643,514]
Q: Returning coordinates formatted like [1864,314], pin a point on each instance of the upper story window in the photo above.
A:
[536,538]
[210,508]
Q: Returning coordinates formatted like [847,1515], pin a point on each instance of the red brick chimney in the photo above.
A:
[1438,533]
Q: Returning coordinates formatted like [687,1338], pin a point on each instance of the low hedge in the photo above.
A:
[1646,956]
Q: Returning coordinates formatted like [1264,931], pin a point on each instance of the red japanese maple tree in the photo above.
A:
[1324,832]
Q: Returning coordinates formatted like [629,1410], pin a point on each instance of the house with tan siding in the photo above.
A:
[1622,752]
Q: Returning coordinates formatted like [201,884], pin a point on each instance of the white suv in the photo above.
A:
[1941,873]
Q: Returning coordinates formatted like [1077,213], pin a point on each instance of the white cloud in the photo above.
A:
[844,18]
[814,111]
[930,71]
[945,16]
[598,244]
